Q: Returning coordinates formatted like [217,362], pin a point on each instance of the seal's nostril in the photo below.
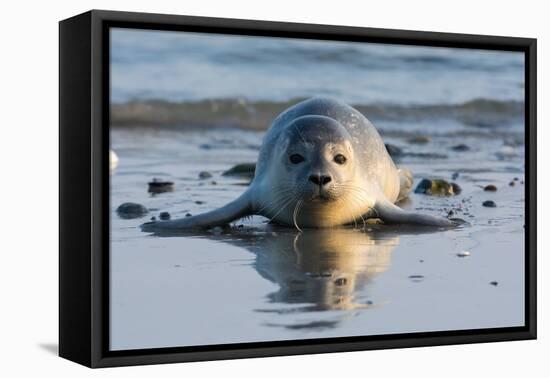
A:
[325,180]
[316,179]
[320,179]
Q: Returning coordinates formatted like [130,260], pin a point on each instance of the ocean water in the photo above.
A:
[184,103]
[191,66]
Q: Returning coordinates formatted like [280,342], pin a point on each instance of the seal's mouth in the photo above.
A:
[321,198]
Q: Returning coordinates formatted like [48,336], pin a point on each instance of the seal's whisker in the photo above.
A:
[268,206]
[285,194]
[360,215]
[296,210]
[282,208]
[354,220]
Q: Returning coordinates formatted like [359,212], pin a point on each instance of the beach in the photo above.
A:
[455,115]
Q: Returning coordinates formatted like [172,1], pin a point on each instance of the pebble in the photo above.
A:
[463,254]
[437,187]
[512,183]
[416,277]
[131,210]
[205,175]
[188,215]
[199,202]
[489,204]
[159,186]
[393,150]
[113,160]
[506,152]
[494,283]
[490,188]
[420,139]
[164,215]
[460,148]
[243,170]
[455,175]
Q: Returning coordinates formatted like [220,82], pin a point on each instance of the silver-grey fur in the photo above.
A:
[321,164]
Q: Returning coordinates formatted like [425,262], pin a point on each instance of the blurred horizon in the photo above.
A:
[189,67]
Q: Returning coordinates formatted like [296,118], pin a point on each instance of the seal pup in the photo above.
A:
[321,164]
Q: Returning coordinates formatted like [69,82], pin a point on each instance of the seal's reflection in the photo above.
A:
[317,271]
[323,269]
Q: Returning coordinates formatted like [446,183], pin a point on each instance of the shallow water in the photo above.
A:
[260,282]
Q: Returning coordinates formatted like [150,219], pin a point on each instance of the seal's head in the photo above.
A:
[315,176]
[318,159]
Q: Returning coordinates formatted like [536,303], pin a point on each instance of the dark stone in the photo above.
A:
[199,202]
[437,187]
[164,215]
[425,155]
[490,188]
[131,210]
[423,186]
[393,150]
[494,283]
[243,170]
[489,204]
[205,175]
[460,148]
[420,139]
[159,186]
[456,189]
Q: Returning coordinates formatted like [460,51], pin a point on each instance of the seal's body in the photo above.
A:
[321,164]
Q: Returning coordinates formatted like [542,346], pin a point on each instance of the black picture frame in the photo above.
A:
[84,188]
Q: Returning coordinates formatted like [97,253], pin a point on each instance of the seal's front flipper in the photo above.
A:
[234,210]
[392,214]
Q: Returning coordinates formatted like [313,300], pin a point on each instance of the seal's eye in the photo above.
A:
[296,158]
[340,159]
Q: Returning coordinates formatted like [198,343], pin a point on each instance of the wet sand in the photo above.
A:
[259,282]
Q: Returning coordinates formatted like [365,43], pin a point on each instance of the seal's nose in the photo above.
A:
[320,180]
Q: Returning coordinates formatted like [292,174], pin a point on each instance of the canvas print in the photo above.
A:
[272,189]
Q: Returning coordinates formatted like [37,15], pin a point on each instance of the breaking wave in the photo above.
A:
[258,115]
